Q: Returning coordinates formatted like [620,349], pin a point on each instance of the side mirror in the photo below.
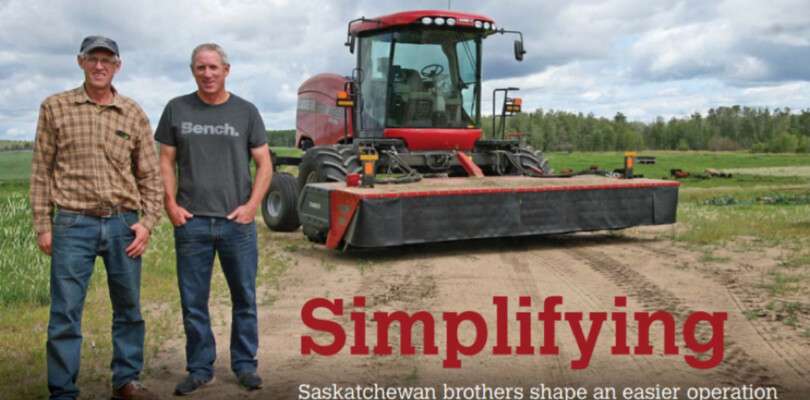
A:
[350,43]
[519,52]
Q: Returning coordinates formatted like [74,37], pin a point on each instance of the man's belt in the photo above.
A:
[101,212]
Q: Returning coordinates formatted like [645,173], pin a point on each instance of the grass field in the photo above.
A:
[747,169]
[711,213]
[15,165]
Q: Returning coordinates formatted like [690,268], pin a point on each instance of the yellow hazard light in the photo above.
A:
[513,105]
[343,99]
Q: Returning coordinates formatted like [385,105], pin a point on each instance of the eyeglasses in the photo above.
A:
[105,61]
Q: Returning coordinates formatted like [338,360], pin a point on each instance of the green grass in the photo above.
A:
[15,165]
[23,268]
[774,224]
[287,151]
[692,161]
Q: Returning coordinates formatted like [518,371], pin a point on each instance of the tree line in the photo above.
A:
[721,129]
[14,145]
[281,138]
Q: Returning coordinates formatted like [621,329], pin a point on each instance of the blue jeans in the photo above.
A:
[77,240]
[197,242]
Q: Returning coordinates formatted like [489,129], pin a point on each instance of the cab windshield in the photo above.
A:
[421,78]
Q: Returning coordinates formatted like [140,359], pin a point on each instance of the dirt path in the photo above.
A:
[586,270]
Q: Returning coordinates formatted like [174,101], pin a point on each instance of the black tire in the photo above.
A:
[279,205]
[327,164]
[531,159]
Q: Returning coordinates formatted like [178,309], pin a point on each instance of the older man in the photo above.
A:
[94,168]
[211,135]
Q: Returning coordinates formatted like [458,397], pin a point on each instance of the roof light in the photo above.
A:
[451,21]
[478,24]
[427,20]
[493,27]
[439,21]
[487,25]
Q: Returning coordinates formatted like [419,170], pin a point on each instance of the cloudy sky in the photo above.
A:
[643,58]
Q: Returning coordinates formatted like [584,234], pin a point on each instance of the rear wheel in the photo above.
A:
[279,205]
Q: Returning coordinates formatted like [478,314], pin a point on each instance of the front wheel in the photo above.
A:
[279,205]
[327,164]
[533,162]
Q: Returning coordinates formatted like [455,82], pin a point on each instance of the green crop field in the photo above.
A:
[768,198]
[15,165]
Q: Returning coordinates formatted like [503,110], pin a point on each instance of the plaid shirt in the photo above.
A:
[91,156]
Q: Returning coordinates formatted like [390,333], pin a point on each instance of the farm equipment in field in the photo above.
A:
[395,153]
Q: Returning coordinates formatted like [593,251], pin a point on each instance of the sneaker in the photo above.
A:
[133,390]
[249,380]
[191,384]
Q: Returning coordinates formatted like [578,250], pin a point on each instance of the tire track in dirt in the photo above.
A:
[599,303]
[526,284]
[549,270]
[746,302]
[738,367]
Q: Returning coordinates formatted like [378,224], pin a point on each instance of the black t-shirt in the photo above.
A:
[213,151]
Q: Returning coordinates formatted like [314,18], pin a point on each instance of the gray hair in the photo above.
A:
[210,47]
[83,56]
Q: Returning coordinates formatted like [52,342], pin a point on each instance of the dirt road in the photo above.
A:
[587,270]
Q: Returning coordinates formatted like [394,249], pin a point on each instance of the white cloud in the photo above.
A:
[684,50]
[792,94]
[641,58]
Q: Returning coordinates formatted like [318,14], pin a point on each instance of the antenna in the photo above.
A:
[449,4]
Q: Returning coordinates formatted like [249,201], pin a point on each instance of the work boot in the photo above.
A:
[191,384]
[249,380]
[133,390]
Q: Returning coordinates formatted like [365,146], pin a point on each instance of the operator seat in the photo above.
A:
[418,99]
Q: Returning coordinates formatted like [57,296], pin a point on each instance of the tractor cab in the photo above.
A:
[418,78]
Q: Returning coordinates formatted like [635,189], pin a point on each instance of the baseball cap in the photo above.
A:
[91,43]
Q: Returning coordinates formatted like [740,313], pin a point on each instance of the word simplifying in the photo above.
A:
[706,348]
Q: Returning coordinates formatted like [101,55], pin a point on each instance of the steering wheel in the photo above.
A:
[431,70]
